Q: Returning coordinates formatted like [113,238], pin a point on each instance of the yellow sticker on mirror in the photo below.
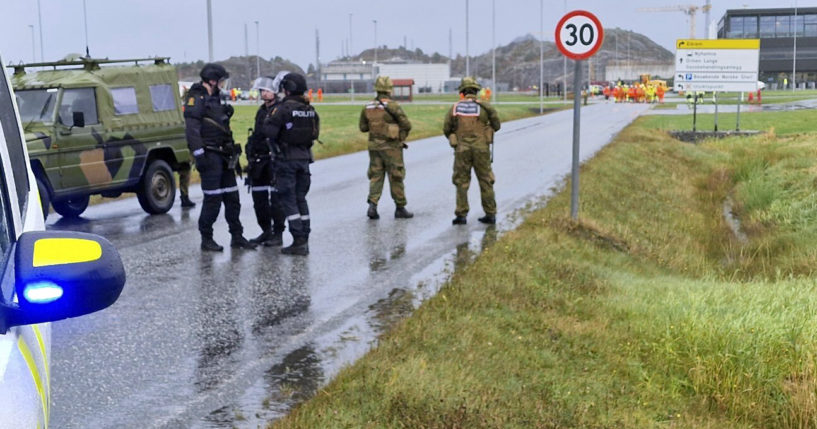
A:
[60,251]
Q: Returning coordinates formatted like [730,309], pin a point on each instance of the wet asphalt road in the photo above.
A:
[236,338]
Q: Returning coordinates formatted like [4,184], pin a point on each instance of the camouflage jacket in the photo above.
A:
[387,124]
[472,122]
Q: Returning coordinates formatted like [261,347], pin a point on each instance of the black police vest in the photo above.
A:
[301,126]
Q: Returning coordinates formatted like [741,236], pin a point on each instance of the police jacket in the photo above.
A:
[258,144]
[292,128]
[207,120]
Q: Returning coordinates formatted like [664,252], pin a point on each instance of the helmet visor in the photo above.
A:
[264,83]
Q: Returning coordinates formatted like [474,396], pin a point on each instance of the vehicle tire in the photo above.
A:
[71,208]
[156,191]
[45,198]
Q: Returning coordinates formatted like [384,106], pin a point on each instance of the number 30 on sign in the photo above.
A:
[579,35]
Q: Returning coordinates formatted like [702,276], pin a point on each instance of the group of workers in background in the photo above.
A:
[635,93]
[279,152]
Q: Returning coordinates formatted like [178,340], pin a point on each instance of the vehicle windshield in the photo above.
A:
[36,105]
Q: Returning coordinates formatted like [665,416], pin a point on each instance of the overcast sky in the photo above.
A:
[178,28]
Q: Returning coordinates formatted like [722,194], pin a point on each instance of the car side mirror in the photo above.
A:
[59,275]
[79,119]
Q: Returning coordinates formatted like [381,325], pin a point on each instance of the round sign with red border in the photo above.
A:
[579,35]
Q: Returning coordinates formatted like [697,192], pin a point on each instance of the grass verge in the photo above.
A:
[646,313]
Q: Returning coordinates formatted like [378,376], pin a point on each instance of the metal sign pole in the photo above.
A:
[574,181]
[740,99]
[715,95]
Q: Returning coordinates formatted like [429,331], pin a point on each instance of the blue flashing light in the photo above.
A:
[42,292]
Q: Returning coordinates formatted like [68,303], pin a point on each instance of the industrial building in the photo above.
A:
[339,76]
[782,33]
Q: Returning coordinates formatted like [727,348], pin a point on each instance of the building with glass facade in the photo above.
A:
[778,29]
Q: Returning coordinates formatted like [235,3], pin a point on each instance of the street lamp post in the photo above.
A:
[374,63]
[564,70]
[40,20]
[467,58]
[209,31]
[794,53]
[541,57]
[33,42]
[257,50]
[493,51]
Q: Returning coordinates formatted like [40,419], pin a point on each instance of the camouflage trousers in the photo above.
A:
[480,161]
[184,178]
[389,161]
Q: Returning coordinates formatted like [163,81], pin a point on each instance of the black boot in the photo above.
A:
[489,219]
[402,213]
[459,220]
[239,242]
[372,212]
[275,239]
[186,203]
[266,235]
[208,245]
[298,247]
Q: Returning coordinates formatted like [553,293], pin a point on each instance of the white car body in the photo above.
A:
[44,276]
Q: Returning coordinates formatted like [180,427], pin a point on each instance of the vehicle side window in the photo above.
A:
[124,100]
[162,97]
[78,100]
[14,143]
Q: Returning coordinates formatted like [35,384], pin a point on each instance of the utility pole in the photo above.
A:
[85,18]
[247,53]
[209,31]
[40,19]
[318,56]
[33,44]
[541,57]
[467,58]
[257,50]
[564,69]
[794,56]
[350,34]
[375,45]
[493,51]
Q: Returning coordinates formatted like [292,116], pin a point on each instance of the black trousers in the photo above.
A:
[293,179]
[218,185]
[266,200]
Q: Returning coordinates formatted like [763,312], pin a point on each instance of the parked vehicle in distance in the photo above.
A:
[99,126]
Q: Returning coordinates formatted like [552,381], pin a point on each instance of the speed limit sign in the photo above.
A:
[579,35]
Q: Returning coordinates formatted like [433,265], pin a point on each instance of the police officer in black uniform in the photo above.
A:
[207,127]
[293,127]
[260,172]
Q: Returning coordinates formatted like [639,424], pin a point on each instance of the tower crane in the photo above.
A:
[691,10]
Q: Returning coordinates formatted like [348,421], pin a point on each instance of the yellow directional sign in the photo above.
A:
[718,44]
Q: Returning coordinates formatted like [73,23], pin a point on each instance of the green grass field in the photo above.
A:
[646,313]
[787,122]
[339,123]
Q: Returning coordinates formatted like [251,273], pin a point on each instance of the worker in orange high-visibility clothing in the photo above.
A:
[659,91]
[606,92]
[310,95]
[320,94]
[632,94]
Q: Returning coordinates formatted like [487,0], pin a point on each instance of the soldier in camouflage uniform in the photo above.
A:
[388,128]
[469,126]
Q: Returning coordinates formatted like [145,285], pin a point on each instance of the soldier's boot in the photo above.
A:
[372,212]
[459,220]
[186,202]
[402,213]
[239,242]
[489,219]
[209,245]
[299,246]
[266,235]
[275,239]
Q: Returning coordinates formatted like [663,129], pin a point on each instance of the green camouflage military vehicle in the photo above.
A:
[103,127]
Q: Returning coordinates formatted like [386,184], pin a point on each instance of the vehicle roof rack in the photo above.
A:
[86,62]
